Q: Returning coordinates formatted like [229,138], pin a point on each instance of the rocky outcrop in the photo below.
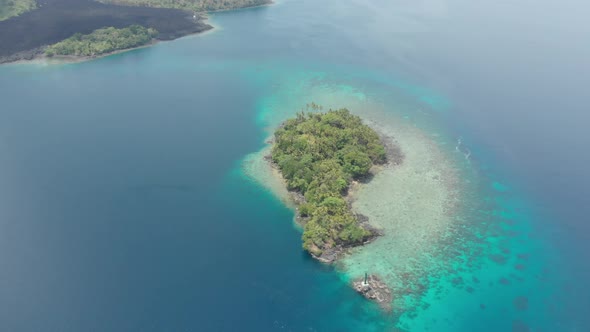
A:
[374,289]
[330,255]
[24,55]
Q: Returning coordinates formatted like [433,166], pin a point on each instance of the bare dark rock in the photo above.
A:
[330,255]
[376,290]
[394,153]
[24,55]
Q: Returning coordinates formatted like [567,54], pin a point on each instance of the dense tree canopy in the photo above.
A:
[103,41]
[319,154]
[9,8]
[195,5]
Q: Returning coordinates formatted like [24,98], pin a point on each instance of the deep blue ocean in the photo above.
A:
[124,205]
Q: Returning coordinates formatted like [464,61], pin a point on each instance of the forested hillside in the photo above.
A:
[319,155]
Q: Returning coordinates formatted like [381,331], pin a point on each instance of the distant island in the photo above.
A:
[102,41]
[28,28]
[193,5]
[319,155]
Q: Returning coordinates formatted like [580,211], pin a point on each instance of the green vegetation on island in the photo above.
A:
[103,41]
[10,8]
[319,154]
[194,5]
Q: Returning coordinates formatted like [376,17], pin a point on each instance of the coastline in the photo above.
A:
[293,198]
[40,56]
[37,55]
[276,183]
[373,286]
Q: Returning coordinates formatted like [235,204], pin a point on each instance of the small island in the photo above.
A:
[319,155]
[103,41]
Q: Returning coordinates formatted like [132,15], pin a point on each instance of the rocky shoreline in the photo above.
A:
[38,54]
[374,289]
[28,55]
[329,256]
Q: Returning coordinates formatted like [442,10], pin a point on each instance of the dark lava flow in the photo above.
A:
[55,20]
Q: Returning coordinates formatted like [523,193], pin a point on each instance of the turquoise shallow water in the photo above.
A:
[489,269]
[127,205]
